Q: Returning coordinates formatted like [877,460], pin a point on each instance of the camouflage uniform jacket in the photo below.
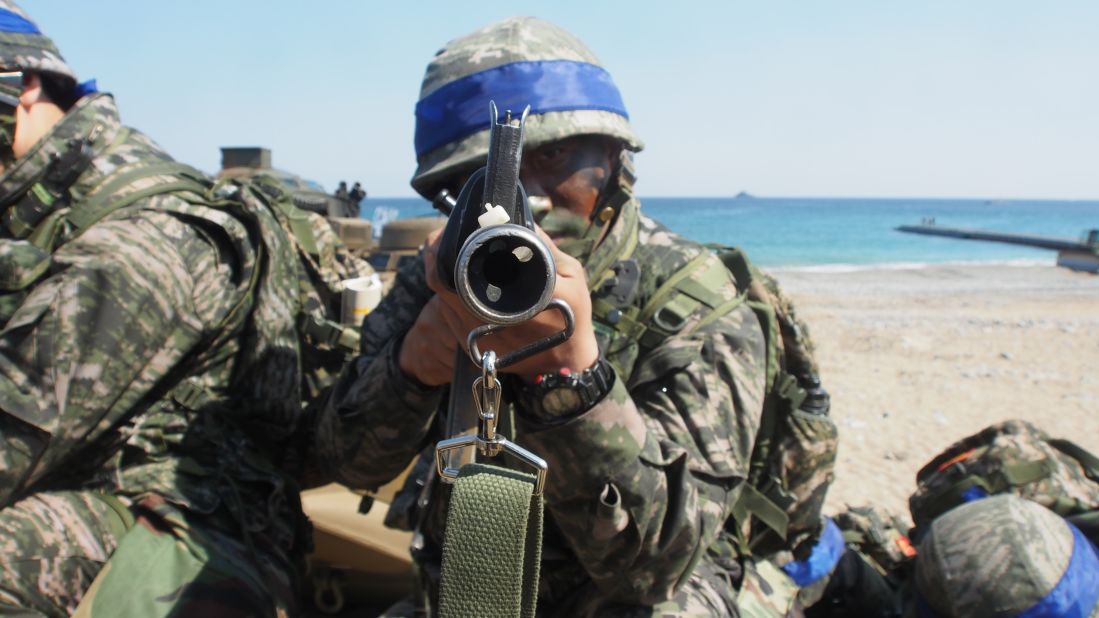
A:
[155,295]
[640,487]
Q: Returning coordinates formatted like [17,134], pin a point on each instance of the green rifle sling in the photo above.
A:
[493,545]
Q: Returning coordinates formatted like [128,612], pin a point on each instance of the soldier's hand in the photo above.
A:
[428,350]
[578,353]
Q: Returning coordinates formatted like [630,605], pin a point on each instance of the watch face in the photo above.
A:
[561,400]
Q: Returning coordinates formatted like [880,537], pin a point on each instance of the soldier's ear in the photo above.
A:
[32,91]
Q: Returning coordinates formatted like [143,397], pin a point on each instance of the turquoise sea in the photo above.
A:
[839,233]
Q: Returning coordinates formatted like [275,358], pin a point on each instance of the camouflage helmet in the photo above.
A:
[516,62]
[23,47]
[1006,556]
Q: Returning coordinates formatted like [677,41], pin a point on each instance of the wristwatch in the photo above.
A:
[556,396]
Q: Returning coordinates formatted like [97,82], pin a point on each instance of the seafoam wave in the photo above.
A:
[850,268]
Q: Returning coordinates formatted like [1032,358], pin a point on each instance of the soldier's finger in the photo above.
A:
[431,256]
[567,266]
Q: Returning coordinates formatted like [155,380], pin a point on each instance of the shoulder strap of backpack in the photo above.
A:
[124,187]
[677,299]
[313,322]
[1088,461]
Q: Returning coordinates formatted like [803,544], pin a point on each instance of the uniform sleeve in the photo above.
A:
[377,419]
[118,311]
[642,483]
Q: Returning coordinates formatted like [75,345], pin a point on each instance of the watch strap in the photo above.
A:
[590,387]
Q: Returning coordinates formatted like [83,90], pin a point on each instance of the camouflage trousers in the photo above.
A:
[710,592]
[79,553]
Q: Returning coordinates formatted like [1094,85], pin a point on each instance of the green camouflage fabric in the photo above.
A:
[1010,457]
[994,557]
[879,537]
[30,51]
[800,466]
[166,565]
[59,538]
[9,98]
[154,357]
[516,39]
[641,487]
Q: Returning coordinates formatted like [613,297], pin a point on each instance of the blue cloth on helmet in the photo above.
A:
[85,88]
[1077,592]
[460,108]
[14,22]
[974,493]
[823,559]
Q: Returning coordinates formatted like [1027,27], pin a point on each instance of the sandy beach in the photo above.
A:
[916,358]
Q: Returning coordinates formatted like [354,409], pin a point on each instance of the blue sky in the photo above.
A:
[988,98]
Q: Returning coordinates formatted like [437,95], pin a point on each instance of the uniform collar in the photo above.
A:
[613,239]
[94,120]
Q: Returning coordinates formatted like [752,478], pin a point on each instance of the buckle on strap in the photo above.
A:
[329,333]
[789,389]
[752,502]
[191,395]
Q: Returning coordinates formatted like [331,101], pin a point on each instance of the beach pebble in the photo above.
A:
[1005,355]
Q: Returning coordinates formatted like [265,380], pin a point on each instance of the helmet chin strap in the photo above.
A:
[621,181]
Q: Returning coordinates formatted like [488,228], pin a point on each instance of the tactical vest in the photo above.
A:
[780,505]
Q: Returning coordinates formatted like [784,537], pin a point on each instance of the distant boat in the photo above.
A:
[744,195]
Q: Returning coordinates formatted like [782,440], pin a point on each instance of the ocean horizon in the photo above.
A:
[844,234]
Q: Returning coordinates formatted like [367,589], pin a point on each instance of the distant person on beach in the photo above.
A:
[684,420]
[354,200]
[358,194]
[341,191]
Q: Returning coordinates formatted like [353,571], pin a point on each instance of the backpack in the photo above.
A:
[791,467]
[314,257]
[795,450]
[1010,457]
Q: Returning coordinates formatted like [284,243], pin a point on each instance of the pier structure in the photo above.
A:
[1071,253]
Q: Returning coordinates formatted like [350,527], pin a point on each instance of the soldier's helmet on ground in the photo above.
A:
[23,47]
[516,62]
[1006,556]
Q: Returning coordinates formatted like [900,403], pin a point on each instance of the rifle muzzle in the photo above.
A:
[505,274]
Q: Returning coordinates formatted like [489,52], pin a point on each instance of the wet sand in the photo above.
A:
[918,358]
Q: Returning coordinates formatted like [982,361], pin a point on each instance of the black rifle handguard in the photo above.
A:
[503,273]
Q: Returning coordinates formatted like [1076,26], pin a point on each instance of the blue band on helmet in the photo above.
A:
[85,88]
[1077,592]
[460,108]
[823,559]
[14,22]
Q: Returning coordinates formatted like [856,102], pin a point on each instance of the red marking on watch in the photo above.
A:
[565,371]
[538,379]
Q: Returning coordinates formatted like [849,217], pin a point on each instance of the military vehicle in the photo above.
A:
[400,239]
[341,212]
